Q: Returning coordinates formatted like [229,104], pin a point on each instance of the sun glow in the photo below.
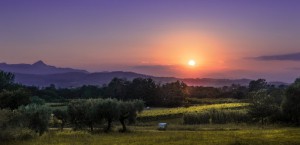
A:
[191,62]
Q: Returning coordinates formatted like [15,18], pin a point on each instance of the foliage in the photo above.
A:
[62,115]
[156,114]
[197,118]
[37,100]
[174,94]
[117,88]
[12,126]
[6,79]
[128,110]
[38,117]
[208,101]
[93,111]
[14,99]
[257,85]
[77,111]
[262,105]
[291,103]
[216,116]
[145,89]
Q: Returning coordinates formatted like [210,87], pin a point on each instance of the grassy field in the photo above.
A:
[279,136]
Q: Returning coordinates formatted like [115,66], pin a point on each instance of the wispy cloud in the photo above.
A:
[280,57]
[158,70]
[294,68]
[155,67]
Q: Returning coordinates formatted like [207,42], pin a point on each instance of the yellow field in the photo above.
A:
[181,110]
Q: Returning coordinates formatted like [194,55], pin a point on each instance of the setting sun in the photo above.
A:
[191,63]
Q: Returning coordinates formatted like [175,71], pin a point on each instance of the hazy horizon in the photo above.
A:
[226,39]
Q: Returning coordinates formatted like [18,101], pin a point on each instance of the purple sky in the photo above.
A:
[226,38]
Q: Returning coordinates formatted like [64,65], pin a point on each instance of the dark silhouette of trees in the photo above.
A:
[256,85]
[117,88]
[14,99]
[262,105]
[145,89]
[6,79]
[291,103]
[174,94]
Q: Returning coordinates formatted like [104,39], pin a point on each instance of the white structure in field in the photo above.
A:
[162,126]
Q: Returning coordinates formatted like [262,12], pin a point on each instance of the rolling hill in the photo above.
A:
[41,74]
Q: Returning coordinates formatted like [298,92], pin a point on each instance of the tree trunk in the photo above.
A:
[108,125]
[122,120]
[62,125]
[92,128]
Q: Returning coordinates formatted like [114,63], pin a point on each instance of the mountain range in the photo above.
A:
[41,74]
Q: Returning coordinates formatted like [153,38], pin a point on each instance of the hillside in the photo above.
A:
[41,74]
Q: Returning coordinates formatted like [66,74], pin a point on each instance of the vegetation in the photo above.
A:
[26,112]
[262,105]
[93,111]
[37,117]
[216,116]
[280,136]
[155,114]
[291,103]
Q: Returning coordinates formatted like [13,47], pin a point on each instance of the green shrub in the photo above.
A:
[216,116]
[12,126]
[16,134]
[197,118]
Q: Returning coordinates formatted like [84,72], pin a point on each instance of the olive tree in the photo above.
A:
[109,110]
[129,110]
[77,111]
[38,117]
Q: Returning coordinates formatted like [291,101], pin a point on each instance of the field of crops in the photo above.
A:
[165,113]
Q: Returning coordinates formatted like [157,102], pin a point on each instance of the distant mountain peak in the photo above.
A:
[39,63]
[38,67]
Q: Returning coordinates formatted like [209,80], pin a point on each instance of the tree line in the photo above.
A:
[172,94]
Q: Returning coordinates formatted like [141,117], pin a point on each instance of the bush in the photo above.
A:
[216,116]
[16,134]
[197,118]
[12,126]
